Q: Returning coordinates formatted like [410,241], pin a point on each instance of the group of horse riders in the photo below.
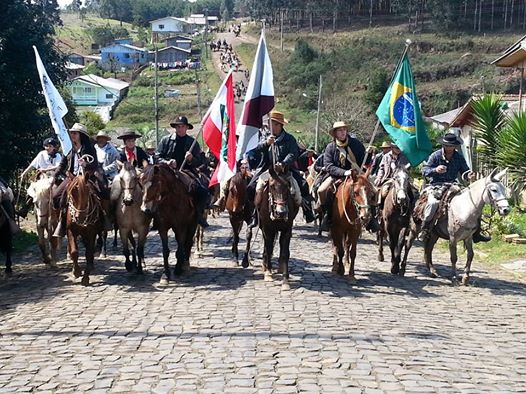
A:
[279,149]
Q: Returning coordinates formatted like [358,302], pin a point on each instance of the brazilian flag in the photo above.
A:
[401,116]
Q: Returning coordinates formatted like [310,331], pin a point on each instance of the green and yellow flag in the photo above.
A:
[400,114]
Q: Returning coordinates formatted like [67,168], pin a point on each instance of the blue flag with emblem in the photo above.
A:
[400,114]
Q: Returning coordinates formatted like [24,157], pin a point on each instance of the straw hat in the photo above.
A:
[278,117]
[128,133]
[79,128]
[102,134]
[385,145]
[337,125]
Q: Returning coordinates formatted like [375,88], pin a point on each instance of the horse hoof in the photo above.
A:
[77,273]
[128,265]
[268,277]
[465,280]
[352,279]
[244,263]
[164,280]
[433,274]
[8,271]
[85,281]
[395,270]
[402,272]
[285,286]
[381,258]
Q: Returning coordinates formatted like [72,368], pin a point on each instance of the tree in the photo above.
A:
[227,9]
[92,121]
[23,112]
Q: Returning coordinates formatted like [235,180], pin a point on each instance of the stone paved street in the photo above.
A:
[223,329]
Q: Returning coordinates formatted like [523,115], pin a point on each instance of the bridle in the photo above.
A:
[356,204]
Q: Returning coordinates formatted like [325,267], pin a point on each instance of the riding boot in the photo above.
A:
[478,236]
[306,205]
[201,202]
[326,221]
[373,226]
[425,231]
[60,231]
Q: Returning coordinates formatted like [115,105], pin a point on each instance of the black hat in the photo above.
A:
[181,120]
[449,139]
[50,141]
[127,134]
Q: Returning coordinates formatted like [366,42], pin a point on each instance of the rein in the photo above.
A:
[91,209]
[344,204]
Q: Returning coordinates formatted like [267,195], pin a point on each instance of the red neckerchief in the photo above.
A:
[130,154]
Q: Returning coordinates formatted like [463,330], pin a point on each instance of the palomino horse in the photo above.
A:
[238,211]
[461,221]
[127,192]
[84,218]
[395,220]
[166,196]
[46,218]
[350,209]
[277,210]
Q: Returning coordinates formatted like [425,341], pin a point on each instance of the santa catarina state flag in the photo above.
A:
[400,114]
[219,131]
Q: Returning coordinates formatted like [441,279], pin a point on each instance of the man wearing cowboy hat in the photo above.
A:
[150,151]
[287,152]
[385,148]
[132,153]
[342,155]
[442,169]
[174,150]
[82,157]
[107,155]
[306,159]
[390,162]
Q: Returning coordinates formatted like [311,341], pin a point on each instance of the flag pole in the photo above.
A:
[408,42]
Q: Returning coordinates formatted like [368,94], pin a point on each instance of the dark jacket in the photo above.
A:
[140,157]
[175,147]
[287,152]
[455,167]
[303,161]
[86,148]
[331,158]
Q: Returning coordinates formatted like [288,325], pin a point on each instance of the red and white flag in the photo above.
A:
[259,100]
[219,131]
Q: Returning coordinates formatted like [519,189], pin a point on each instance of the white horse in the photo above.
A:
[462,220]
[46,219]
[126,191]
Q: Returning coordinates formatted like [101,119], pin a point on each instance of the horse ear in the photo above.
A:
[492,174]
[500,175]
[354,175]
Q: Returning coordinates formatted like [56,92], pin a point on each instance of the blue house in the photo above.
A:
[123,55]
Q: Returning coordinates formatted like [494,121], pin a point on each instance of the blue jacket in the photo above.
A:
[455,167]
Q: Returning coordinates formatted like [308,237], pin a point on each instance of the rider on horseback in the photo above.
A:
[132,153]
[225,185]
[174,150]
[342,155]
[443,167]
[107,155]
[282,149]
[390,162]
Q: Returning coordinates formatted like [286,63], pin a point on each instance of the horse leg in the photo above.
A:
[89,243]
[74,253]
[141,241]
[180,253]
[9,250]
[467,268]
[42,244]
[380,241]
[165,277]
[405,242]
[428,254]
[454,259]
[236,229]
[268,240]
[126,248]
[338,251]
[284,256]
[246,256]
[352,253]
[104,243]
[394,238]
[133,249]
[188,249]
[115,231]
[54,246]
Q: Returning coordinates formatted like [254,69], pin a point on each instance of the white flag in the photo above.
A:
[259,100]
[55,104]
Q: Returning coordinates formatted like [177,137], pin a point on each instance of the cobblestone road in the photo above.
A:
[223,329]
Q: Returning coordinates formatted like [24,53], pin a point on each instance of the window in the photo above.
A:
[109,95]
[161,27]
[87,90]
[126,55]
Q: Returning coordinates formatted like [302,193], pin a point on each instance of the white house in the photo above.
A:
[96,91]
[170,24]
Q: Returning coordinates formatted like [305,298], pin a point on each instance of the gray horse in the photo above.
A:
[126,191]
[461,222]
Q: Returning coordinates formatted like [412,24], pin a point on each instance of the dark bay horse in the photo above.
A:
[277,210]
[238,209]
[351,208]
[166,196]
[6,229]
[84,218]
[395,220]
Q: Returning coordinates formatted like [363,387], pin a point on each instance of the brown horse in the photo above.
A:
[166,196]
[351,208]
[84,218]
[238,211]
[277,210]
[395,220]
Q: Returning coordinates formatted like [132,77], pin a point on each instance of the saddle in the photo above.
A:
[442,211]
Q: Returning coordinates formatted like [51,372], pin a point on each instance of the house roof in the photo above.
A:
[74,54]
[110,83]
[168,18]
[513,56]
[446,117]
[173,47]
[74,66]
[93,57]
[178,37]
[127,46]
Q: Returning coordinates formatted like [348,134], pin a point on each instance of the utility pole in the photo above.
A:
[198,91]
[281,30]
[318,119]
[156,99]
[206,33]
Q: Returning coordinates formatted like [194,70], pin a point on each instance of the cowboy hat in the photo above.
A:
[311,149]
[149,145]
[50,141]
[385,145]
[450,139]
[181,120]
[127,134]
[79,128]
[278,117]
[337,125]
[102,134]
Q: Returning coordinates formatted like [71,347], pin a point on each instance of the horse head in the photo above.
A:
[40,191]
[129,180]
[363,193]
[279,195]
[401,186]
[495,192]
[151,187]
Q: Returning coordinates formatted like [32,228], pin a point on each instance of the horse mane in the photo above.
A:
[40,188]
